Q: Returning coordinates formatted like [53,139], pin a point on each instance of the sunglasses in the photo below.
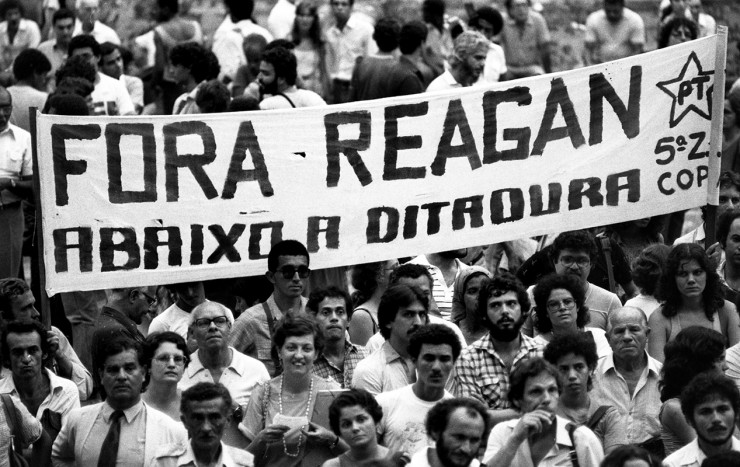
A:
[288,272]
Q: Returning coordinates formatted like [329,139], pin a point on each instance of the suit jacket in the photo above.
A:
[160,430]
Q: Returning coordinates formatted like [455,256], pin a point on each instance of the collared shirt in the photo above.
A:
[421,459]
[345,45]
[441,292]
[15,158]
[230,457]
[62,398]
[133,436]
[177,320]
[588,447]
[523,45]
[240,377]
[27,37]
[352,355]
[251,332]
[80,375]
[101,32]
[383,370]
[480,373]
[28,432]
[443,82]
[227,44]
[639,410]
[185,103]
[691,455]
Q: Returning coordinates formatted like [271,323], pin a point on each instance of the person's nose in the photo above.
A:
[466,447]
[35,314]
[418,320]
[334,318]
[572,374]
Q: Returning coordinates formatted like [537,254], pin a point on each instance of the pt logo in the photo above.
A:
[691,91]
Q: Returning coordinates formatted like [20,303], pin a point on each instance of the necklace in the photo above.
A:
[308,406]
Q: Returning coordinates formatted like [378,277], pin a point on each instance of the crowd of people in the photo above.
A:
[617,346]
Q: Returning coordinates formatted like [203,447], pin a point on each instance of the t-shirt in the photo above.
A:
[402,426]
[614,40]
[299,97]
[421,459]
[110,97]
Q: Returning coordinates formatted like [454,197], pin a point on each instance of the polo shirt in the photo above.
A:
[443,82]
[384,370]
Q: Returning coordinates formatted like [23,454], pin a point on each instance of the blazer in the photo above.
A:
[160,430]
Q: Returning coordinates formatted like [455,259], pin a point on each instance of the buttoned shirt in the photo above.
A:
[352,355]
[27,37]
[639,410]
[441,292]
[15,158]
[588,447]
[62,397]
[240,377]
[691,455]
[345,45]
[28,432]
[251,333]
[384,370]
[523,44]
[480,373]
[183,456]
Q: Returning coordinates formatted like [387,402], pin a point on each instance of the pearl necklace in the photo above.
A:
[308,406]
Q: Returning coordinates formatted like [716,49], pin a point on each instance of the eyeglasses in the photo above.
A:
[570,261]
[205,323]
[288,272]
[567,303]
[165,359]
[149,299]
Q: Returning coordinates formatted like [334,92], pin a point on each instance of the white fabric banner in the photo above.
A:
[152,200]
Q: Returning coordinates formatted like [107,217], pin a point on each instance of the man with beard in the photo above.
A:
[539,436]
[123,430]
[482,371]
[434,348]
[457,427]
[444,267]
[728,235]
[467,62]
[401,311]
[613,32]
[332,309]
[278,72]
[711,404]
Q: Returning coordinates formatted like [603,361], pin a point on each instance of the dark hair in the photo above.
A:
[190,55]
[577,240]
[439,415]
[729,178]
[507,3]
[395,297]
[712,296]
[489,14]
[724,224]
[284,43]
[664,35]
[243,104]
[386,34]
[83,41]
[412,35]
[498,286]
[433,12]
[577,343]
[364,279]
[173,6]
[694,350]
[8,5]
[355,397]
[154,340]
[723,459]
[211,70]
[318,295]
[412,271]
[107,48]
[542,292]
[22,327]
[28,62]
[240,9]
[284,62]
[314,34]
[648,267]
[619,456]
[297,326]
[652,230]
[213,97]
[205,391]
[525,369]
[704,387]
[75,85]
[62,13]
[10,289]
[67,104]
[111,347]
[76,67]
[285,248]
[434,334]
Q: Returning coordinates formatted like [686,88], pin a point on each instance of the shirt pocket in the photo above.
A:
[14,160]
[490,387]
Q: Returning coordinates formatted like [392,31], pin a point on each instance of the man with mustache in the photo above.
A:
[277,77]
[433,349]
[728,235]
[111,432]
[402,310]
[482,371]
[711,404]
[467,62]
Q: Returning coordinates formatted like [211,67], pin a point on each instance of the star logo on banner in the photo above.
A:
[690,91]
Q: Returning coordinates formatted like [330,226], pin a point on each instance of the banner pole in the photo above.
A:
[44,305]
[715,141]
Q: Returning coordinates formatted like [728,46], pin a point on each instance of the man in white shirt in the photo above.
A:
[281,18]
[55,49]
[467,62]
[16,33]
[489,22]
[229,37]
[110,96]
[433,349]
[176,318]
[710,404]
[277,76]
[87,14]
[111,64]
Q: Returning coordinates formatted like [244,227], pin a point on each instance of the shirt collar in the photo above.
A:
[237,365]
[608,364]
[9,130]
[129,414]
[693,454]
[7,383]
[389,352]
[188,458]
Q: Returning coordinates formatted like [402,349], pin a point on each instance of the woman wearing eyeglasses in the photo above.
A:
[166,354]
[560,309]
[278,422]
[690,289]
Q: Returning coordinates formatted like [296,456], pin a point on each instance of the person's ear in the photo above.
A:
[270,277]
[132,295]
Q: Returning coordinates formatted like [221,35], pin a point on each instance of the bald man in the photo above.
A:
[628,377]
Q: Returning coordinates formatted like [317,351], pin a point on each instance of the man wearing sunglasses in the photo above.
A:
[216,362]
[287,269]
